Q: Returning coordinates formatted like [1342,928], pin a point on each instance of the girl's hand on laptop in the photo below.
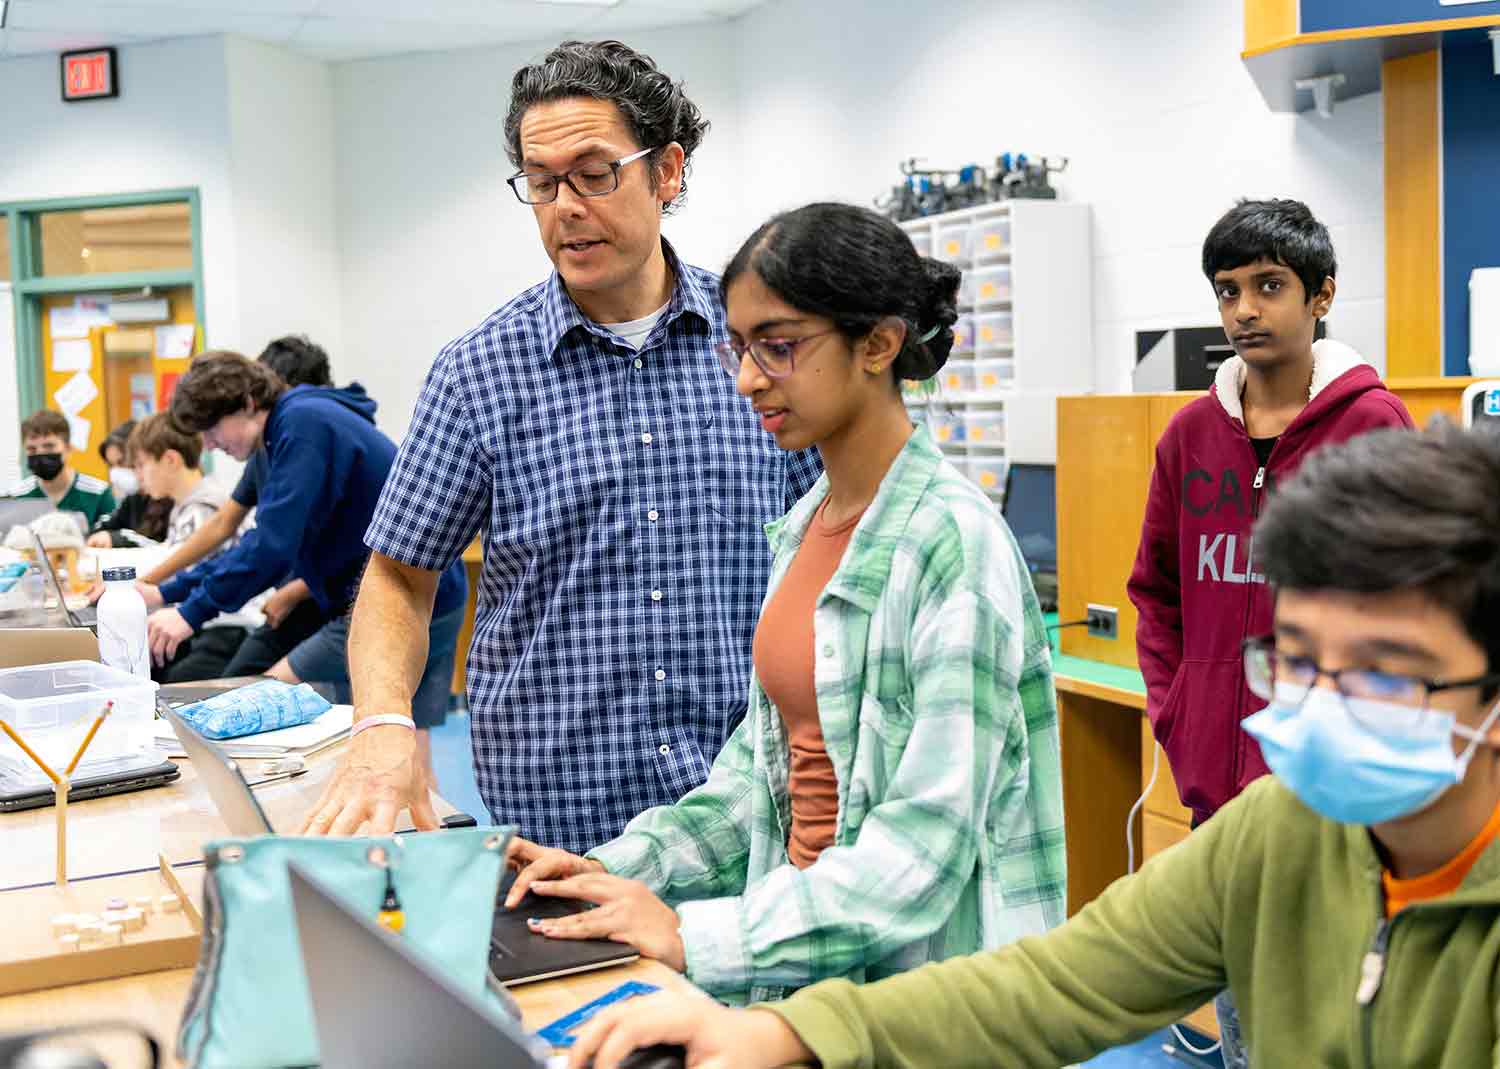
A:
[714,1035]
[541,863]
[628,913]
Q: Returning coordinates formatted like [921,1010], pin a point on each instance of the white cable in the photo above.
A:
[1130,868]
[1130,818]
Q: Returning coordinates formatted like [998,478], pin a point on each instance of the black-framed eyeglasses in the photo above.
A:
[1271,673]
[777,357]
[589,180]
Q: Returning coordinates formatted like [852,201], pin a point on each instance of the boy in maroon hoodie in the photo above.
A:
[1282,396]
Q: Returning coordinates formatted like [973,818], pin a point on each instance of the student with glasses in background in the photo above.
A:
[621,485]
[894,795]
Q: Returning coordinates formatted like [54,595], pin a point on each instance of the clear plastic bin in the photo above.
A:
[52,706]
[991,238]
[994,376]
[958,377]
[994,331]
[966,291]
[963,334]
[985,427]
[947,427]
[992,285]
[922,241]
[989,474]
[953,243]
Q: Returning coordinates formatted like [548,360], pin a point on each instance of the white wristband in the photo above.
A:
[394,719]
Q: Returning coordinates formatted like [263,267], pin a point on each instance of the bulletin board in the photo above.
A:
[99,383]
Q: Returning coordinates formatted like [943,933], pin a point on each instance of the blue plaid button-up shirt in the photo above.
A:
[622,495]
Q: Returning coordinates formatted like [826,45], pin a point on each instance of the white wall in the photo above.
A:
[430,238]
[1150,100]
[169,128]
[281,166]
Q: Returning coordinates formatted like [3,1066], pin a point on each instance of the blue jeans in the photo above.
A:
[1232,1047]
[323,658]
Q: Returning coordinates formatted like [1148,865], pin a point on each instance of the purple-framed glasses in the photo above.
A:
[775,356]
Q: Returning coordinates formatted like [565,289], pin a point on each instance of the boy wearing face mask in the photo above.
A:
[1351,901]
[44,435]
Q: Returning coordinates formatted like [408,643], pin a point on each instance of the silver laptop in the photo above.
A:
[518,955]
[22,510]
[377,1005]
[88,616]
[222,777]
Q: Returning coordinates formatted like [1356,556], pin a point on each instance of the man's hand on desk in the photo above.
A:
[377,777]
[627,913]
[542,863]
[165,631]
[714,1035]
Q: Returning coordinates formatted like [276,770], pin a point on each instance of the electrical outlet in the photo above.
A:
[1104,621]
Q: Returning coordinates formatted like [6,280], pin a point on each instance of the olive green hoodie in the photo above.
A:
[1282,905]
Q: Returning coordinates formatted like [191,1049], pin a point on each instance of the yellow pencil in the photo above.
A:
[84,745]
[30,753]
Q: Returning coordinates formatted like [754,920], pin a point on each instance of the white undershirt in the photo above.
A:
[635,333]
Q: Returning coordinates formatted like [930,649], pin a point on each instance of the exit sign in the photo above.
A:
[90,75]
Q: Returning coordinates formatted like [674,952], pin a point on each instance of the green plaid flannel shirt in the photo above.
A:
[934,684]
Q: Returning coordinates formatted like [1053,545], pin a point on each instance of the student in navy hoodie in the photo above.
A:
[327,465]
[1282,396]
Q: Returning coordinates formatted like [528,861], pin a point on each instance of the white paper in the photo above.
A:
[78,391]
[66,323]
[174,342]
[72,354]
[78,432]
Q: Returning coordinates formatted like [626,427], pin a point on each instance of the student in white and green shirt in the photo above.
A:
[893,796]
[45,437]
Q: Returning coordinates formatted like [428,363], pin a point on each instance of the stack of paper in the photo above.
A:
[305,739]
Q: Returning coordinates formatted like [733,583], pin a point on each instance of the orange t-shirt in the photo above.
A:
[783,658]
[1444,881]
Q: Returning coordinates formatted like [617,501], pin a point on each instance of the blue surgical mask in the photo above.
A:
[1374,764]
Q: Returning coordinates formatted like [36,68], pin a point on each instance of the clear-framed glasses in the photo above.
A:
[1402,699]
[589,180]
[777,357]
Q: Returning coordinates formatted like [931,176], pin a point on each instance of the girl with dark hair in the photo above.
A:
[893,795]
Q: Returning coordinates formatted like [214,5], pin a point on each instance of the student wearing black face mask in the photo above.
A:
[45,438]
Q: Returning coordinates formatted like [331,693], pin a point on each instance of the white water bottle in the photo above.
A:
[122,624]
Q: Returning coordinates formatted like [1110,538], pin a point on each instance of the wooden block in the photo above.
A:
[32,958]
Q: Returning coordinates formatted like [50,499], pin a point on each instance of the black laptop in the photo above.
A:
[517,954]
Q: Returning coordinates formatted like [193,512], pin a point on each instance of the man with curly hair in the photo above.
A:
[587,428]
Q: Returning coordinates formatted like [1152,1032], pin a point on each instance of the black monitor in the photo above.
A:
[1031,511]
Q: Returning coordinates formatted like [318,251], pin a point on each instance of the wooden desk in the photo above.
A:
[126,832]
[156,1001]
[1107,750]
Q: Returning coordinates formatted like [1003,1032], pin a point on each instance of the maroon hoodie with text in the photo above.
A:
[1193,584]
